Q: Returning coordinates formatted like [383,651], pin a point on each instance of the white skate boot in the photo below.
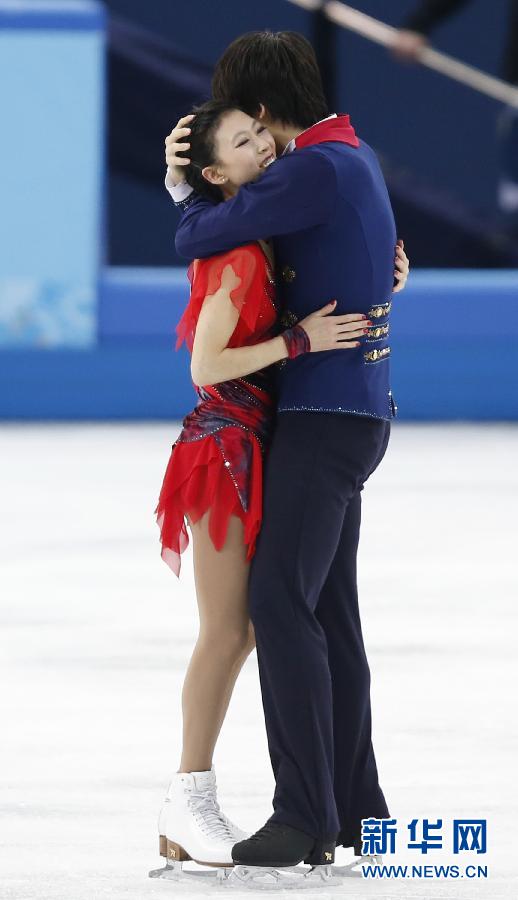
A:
[192,826]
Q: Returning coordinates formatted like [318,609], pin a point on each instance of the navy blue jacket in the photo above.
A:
[328,210]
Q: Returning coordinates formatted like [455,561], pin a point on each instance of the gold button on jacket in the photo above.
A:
[288,274]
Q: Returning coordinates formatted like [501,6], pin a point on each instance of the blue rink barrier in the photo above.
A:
[454,339]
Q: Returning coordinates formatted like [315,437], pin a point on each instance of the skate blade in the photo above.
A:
[174,871]
[317,876]
[354,868]
[284,878]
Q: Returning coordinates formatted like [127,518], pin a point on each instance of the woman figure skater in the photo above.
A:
[213,481]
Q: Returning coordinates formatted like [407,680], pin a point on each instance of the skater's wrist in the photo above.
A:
[297,341]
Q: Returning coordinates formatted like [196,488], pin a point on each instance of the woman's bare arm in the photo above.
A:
[213,361]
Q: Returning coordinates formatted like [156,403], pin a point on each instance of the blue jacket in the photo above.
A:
[327,208]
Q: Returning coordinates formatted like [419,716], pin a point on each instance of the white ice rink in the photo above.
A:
[97,632]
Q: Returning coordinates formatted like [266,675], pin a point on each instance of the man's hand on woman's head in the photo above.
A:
[402,267]
[174,142]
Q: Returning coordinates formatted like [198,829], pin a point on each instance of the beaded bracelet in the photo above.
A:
[297,341]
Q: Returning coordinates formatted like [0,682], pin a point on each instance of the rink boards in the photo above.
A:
[454,340]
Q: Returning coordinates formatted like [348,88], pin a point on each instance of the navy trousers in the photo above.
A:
[313,670]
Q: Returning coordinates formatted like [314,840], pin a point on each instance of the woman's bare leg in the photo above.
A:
[226,637]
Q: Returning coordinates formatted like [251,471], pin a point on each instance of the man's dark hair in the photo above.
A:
[278,69]
[203,148]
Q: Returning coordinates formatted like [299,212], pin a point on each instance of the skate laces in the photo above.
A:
[268,829]
[208,814]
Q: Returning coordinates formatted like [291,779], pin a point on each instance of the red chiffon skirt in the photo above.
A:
[197,480]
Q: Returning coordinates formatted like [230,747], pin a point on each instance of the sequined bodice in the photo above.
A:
[245,405]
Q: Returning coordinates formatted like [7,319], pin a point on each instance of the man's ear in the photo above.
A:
[263,116]
[211,174]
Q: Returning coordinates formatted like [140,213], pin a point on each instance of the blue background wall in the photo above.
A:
[52,88]
[418,119]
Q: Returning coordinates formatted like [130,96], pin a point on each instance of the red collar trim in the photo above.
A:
[337,129]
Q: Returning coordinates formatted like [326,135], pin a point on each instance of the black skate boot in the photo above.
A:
[276,844]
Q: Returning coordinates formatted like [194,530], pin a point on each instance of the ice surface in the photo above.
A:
[96,633]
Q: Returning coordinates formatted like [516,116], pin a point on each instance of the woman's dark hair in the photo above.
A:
[202,151]
[278,69]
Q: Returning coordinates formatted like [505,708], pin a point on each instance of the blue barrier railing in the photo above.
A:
[454,339]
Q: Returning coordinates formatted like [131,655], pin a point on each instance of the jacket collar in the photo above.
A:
[333,128]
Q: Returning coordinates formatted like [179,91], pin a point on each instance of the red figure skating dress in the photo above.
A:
[217,460]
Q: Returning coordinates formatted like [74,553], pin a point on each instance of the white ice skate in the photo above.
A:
[192,826]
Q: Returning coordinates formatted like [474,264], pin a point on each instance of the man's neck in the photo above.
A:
[283,134]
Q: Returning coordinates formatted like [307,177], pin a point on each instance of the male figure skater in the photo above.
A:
[326,204]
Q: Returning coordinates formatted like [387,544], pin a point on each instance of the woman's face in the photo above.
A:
[244,150]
